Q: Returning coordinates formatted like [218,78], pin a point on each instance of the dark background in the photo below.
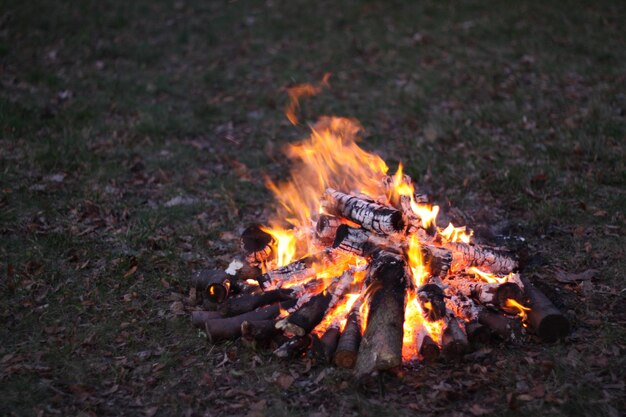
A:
[134,139]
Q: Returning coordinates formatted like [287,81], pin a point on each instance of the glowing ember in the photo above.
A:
[522,310]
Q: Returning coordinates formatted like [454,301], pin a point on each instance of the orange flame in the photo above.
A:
[419,271]
[426,212]
[329,158]
[487,276]
[414,323]
[522,311]
[284,244]
[302,90]
[455,234]
[338,314]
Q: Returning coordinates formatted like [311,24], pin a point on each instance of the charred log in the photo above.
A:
[294,347]
[249,302]
[506,327]
[230,328]
[212,284]
[259,330]
[328,343]
[544,318]
[466,255]
[381,346]
[199,317]
[240,270]
[300,269]
[326,229]
[477,334]
[487,293]
[454,341]
[426,346]
[311,313]
[431,299]
[371,216]
[256,244]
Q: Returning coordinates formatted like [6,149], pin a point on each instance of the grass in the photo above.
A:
[137,103]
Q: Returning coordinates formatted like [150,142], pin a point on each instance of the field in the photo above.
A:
[135,137]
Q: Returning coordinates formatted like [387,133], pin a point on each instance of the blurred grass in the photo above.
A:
[139,102]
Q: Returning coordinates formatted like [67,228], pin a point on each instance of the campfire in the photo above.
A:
[355,270]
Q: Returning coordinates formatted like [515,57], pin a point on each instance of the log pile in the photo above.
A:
[346,303]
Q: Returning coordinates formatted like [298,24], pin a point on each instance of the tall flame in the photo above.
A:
[426,212]
[456,234]
[330,157]
[284,244]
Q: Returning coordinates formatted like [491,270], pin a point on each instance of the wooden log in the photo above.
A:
[426,346]
[465,255]
[212,284]
[328,343]
[230,328]
[381,346]
[326,229]
[256,244]
[259,330]
[371,216]
[414,221]
[240,270]
[544,318]
[477,334]
[300,269]
[487,293]
[454,341]
[248,302]
[294,347]
[431,299]
[437,259]
[507,328]
[311,313]
[349,341]
[199,317]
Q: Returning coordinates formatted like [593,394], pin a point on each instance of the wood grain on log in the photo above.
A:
[381,346]
[299,269]
[466,255]
[371,216]
[487,293]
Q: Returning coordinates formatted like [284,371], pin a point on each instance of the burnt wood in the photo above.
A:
[544,318]
[349,341]
[213,284]
[256,244]
[431,299]
[494,260]
[248,302]
[230,328]
[454,341]
[370,215]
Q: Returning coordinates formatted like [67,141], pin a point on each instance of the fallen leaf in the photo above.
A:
[568,277]
[131,271]
[478,410]
[284,381]
[177,307]
[150,411]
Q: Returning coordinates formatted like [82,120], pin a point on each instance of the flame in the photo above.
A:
[522,311]
[489,277]
[282,313]
[400,187]
[455,234]
[330,157]
[284,244]
[414,323]
[302,90]
[338,314]
[419,271]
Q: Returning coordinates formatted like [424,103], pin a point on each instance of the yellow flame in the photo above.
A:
[330,157]
[455,234]
[416,263]
[522,311]
[338,314]
[414,322]
[487,276]
[426,212]
[284,244]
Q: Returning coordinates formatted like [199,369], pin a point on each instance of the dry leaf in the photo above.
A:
[131,271]
[568,278]
[284,381]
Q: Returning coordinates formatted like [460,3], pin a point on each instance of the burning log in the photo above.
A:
[506,327]
[371,216]
[311,313]
[212,283]
[544,318]
[431,299]
[241,270]
[466,255]
[259,330]
[454,341]
[438,259]
[326,229]
[349,341]
[381,346]
[256,244]
[230,328]
[249,302]
[300,269]
[495,294]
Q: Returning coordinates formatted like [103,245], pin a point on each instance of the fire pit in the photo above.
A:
[355,270]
